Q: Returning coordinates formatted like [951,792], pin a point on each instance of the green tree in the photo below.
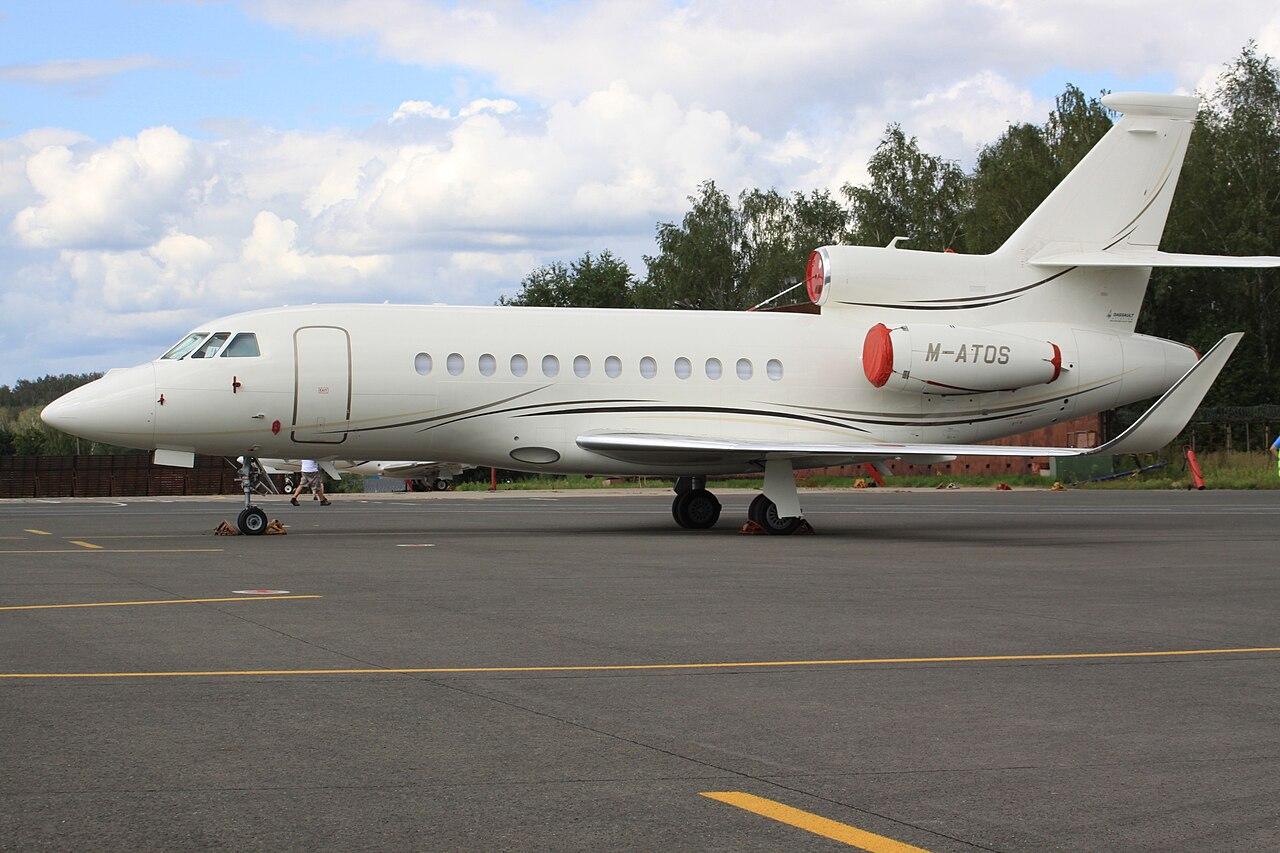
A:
[1019,170]
[602,281]
[911,193]
[1228,202]
[699,262]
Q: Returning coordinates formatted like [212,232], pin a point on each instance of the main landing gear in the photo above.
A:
[252,521]
[694,507]
[776,511]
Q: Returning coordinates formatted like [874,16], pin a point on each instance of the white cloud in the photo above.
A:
[64,71]
[414,109]
[498,106]
[770,63]
[116,195]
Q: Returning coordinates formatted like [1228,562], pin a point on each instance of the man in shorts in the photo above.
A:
[311,477]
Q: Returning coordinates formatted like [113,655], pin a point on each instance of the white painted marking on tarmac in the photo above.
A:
[260,591]
[417,545]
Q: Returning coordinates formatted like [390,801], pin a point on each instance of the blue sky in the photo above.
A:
[162,163]
[213,62]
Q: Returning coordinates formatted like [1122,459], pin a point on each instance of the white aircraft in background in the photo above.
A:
[428,476]
[914,356]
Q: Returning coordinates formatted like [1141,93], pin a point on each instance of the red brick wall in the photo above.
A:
[1081,432]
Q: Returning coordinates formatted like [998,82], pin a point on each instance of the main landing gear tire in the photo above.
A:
[441,484]
[696,509]
[764,512]
[252,521]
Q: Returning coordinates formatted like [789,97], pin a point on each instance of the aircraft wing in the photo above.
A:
[1151,258]
[424,469]
[1153,430]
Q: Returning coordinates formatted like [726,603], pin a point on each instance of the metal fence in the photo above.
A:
[124,475]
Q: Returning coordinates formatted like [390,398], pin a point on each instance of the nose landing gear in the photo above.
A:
[252,521]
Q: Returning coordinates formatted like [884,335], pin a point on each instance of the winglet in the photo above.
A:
[1161,423]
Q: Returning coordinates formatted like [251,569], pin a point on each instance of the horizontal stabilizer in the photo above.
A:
[1153,430]
[1150,258]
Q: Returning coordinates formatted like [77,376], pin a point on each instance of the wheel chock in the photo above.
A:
[1057,486]
[226,528]
[275,528]
[859,483]
[752,529]
[805,528]
[1003,487]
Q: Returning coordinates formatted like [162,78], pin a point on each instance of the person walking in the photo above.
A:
[312,477]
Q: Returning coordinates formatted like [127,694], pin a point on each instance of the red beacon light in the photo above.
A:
[814,277]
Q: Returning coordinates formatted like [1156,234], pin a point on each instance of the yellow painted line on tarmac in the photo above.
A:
[634,667]
[156,601]
[37,532]
[98,549]
[810,822]
[84,544]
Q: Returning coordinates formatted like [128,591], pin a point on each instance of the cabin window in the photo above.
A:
[744,369]
[714,370]
[185,345]
[245,345]
[550,366]
[648,367]
[422,363]
[683,368]
[613,367]
[582,367]
[210,347]
[774,369]
[487,364]
[454,364]
[519,365]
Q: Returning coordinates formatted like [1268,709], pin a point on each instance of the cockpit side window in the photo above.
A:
[185,346]
[210,347]
[243,345]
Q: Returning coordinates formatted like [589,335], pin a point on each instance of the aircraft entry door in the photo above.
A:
[322,384]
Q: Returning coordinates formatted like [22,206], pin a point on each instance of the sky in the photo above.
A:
[165,163]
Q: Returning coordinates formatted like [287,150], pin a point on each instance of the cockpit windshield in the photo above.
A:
[185,345]
[243,345]
[210,348]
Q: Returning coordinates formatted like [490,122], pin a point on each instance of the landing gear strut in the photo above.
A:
[694,507]
[777,510]
[764,512]
[252,521]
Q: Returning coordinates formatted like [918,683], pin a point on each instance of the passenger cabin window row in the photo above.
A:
[456,365]
[206,345]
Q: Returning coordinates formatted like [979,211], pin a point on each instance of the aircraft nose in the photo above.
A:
[117,409]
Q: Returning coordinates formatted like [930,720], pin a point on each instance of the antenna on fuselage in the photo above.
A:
[775,296]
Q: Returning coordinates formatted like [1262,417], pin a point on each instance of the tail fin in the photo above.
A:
[1119,194]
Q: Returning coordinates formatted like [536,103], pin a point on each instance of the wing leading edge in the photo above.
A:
[1159,425]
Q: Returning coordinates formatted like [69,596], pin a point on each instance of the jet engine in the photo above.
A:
[940,359]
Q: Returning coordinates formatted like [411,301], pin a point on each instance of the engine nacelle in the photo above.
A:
[936,359]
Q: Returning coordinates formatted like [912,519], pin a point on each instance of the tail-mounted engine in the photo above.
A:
[937,359]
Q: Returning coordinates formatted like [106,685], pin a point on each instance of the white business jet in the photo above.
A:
[914,356]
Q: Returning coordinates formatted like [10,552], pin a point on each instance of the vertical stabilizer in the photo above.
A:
[1119,194]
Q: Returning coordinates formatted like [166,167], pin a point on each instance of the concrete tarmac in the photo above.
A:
[949,670]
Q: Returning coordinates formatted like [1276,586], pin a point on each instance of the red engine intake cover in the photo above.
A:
[877,355]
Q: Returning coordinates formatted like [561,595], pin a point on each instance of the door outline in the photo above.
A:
[296,388]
